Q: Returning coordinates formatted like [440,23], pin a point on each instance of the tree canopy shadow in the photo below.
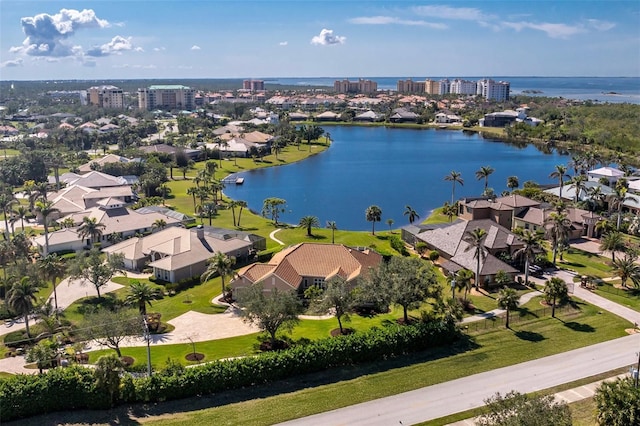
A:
[529,336]
[576,326]
[317,237]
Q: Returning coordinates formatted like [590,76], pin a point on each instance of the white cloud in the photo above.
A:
[12,63]
[600,25]
[283,43]
[326,38]
[454,13]
[138,49]
[117,45]
[46,34]
[195,47]
[159,49]
[386,20]
[552,30]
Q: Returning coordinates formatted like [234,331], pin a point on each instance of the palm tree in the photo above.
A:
[219,264]
[21,299]
[560,173]
[141,294]
[475,240]
[308,222]
[627,269]
[390,224]
[333,226]
[463,281]
[411,213]
[513,182]
[52,268]
[560,224]
[613,241]
[90,227]
[617,199]
[508,300]
[450,210]
[578,184]
[242,204]
[596,197]
[45,208]
[532,244]
[164,191]
[20,214]
[232,205]
[7,200]
[193,191]
[373,214]
[159,224]
[483,173]
[454,177]
[555,288]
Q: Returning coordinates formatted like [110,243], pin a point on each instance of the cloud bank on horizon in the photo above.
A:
[384,38]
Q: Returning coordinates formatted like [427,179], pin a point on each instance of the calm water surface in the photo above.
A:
[390,168]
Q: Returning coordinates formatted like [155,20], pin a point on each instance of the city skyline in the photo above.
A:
[267,39]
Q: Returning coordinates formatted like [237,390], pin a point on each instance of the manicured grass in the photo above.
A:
[629,298]
[583,413]
[584,263]
[379,242]
[487,354]
[437,216]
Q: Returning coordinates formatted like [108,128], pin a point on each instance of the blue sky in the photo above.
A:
[334,38]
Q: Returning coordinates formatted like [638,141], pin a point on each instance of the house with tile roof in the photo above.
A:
[456,254]
[303,265]
[76,198]
[109,158]
[535,219]
[93,179]
[176,254]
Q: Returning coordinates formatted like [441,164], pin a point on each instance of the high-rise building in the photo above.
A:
[463,87]
[493,90]
[170,97]
[410,86]
[360,86]
[253,85]
[106,97]
[432,87]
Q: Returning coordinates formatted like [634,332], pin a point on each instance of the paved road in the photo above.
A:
[469,392]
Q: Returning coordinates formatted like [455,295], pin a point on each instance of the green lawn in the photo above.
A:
[436,216]
[379,242]
[584,263]
[629,298]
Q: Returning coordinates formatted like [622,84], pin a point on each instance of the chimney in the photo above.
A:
[200,232]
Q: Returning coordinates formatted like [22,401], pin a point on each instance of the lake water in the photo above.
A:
[390,168]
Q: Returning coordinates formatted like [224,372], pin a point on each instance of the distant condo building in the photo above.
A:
[106,97]
[493,90]
[169,97]
[360,86]
[410,86]
[253,85]
[432,87]
[463,87]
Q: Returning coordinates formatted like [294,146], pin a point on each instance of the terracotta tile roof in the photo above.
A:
[517,201]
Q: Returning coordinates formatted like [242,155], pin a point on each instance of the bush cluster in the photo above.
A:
[74,388]
[398,245]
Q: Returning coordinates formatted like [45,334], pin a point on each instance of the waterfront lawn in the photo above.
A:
[584,263]
[379,242]
[321,392]
[437,216]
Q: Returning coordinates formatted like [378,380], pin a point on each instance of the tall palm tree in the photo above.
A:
[308,222]
[45,208]
[7,200]
[242,204]
[21,299]
[560,173]
[596,197]
[91,228]
[373,214]
[532,244]
[555,288]
[513,182]
[463,281]
[333,226]
[51,268]
[411,213]
[617,199]
[578,184]
[508,300]
[613,241]
[627,269]
[450,210]
[219,264]
[483,173]
[475,240]
[454,177]
[232,205]
[559,226]
[193,191]
[142,294]
[20,214]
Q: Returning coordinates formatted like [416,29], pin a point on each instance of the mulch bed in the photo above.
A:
[345,331]
[279,344]
[194,356]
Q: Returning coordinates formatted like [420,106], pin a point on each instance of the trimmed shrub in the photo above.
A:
[398,245]
[434,255]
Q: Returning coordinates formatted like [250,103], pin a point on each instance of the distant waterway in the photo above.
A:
[390,168]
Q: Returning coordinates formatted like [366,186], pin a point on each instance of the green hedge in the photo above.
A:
[74,388]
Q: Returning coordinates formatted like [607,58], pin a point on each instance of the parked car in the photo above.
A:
[536,271]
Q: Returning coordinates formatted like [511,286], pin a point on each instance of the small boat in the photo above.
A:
[240,181]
